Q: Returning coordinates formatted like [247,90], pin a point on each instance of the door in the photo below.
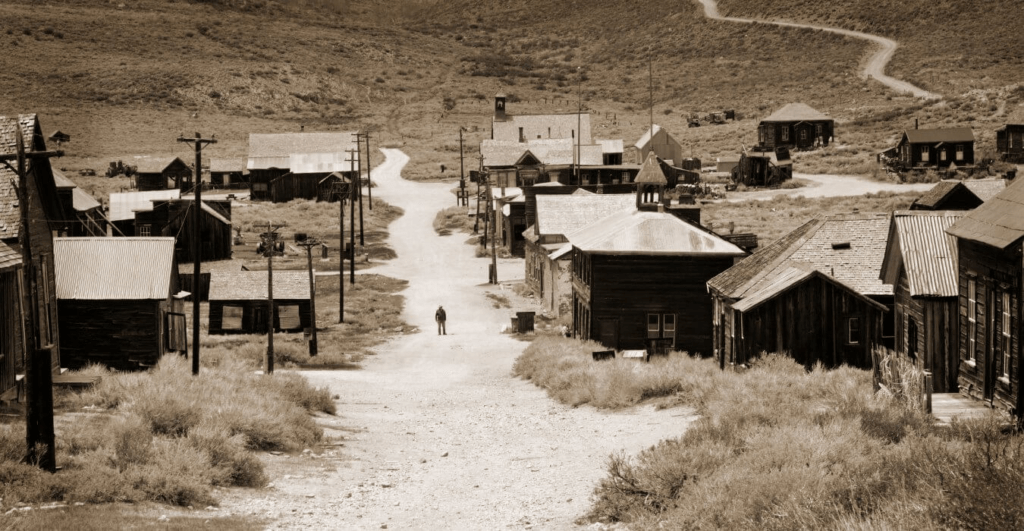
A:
[259,320]
[609,330]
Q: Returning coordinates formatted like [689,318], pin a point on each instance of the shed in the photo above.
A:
[124,205]
[795,126]
[921,264]
[226,173]
[238,302]
[1010,142]
[119,301]
[163,173]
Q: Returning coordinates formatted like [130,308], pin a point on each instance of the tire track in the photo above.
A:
[876,63]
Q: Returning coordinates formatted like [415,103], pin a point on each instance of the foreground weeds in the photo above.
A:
[780,447]
[165,435]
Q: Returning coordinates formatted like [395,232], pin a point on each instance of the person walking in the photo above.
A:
[440,317]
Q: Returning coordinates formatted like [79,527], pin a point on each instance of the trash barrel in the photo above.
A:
[525,321]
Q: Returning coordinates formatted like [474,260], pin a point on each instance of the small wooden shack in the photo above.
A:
[989,245]
[119,301]
[795,126]
[1010,142]
[227,173]
[763,168]
[238,302]
[921,265]
[935,148]
[815,293]
[162,174]
[174,218]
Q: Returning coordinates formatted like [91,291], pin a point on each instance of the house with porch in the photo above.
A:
[935,148]
[795,126]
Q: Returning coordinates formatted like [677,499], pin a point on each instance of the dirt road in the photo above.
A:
[438,434]
[830,186]
[876,62]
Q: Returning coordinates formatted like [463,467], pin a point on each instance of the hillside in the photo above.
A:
[125,79]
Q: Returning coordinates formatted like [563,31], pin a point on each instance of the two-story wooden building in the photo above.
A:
[921,265]
[174,218]
[795,126]
[989,243]
[936,148]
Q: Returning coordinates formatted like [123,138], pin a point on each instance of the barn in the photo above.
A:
[989,250]
[795,126]
[174,218]
[163,173]
[921,265]
[238,302]
[119,301]
[308,157]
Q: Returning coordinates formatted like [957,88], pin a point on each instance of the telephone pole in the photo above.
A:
[340,191]
[369,185]
[197,144]
[359,189]
[463,200]
[38,371]
[309,244]
[352,218]
[270,246]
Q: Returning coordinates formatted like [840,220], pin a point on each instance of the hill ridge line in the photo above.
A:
[876,64]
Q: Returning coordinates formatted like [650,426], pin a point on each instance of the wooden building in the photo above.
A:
[1010,142]
[815,294]
[935,148]
[947,195]
[763,168]
[12,352]
[664,146]
[989,245]
[174,218]
[795,126]
[921,264]
[162,174]
[45,219]
[639,281]
[84,214]
[238,302]
[120,301]
[123,207]
[511,213]
[509,127]
[308,157]
[228,173]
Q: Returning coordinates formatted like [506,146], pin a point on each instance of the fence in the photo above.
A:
[903,378]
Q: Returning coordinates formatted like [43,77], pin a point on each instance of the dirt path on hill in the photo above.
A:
[876,62]
[437,433]
[831,186]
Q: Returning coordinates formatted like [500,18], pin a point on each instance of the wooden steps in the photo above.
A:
[947,406]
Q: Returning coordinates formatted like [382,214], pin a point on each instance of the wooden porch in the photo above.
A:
[947,406]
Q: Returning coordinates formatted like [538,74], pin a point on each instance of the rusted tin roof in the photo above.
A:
[792,275]
[9,257]
[997,222]
[113,268]
[796,112]
[252,285]
[919,243]
[632,232]
[566,213]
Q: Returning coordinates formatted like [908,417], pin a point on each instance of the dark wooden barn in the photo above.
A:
[238,302]
[174,218]
[84,213]
[989,244]
[119,301]
[228,173]
[45,219]
[163,173]
[124,206]
[273,156]
[831,266]
[947,195]
[795,126]
[921,265]
[935,148]
[1010,142]
[639,282]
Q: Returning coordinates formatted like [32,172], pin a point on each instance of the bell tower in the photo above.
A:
[650,184]
[499,107]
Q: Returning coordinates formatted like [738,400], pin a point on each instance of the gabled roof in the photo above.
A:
[632,232]
[156,165]
[848,247]
[792,275]
[650,172]
[940,192]
[113,268]
[918,243]
[499,153]
[997,222]
[10,214]
[61,181]
[9,257]
[252,285]
[227,165]
[646,138]
[80,200]
[124,205]
[275,150]
[985,189]
[796,112]
[567,213]
[934,136]
[559,124]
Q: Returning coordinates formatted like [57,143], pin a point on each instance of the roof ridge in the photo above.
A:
[784,256]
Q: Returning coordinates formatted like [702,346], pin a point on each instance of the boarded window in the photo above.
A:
[288,316]
[853,331]
[232,319]
[175,333]
[259,187]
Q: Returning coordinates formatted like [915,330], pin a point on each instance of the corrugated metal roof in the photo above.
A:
[275,150]
[791,276]
[796,112]
[918,242]
[610,146]
[650,172]
[10,215]
[934,136]
[566,213]
[252,285]
[857,265]
[113,268]
[124,205]
[998,222]
[649,233]
[9,257]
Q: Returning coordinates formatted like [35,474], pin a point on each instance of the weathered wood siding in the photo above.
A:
[937,333]
[770,134]
[12,352]
[1010,143]
[533,258]
[994,272]
[175,219]
[254,316]
[121,335]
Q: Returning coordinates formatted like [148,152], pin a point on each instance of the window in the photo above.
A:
[889,323]
[924,153]
[653,325]
[231,318]
[785,134]
[972,317]
[803,134]
[959,152]
[911,338]
[817,129]
[145,230]
[661,326]
[1005,337]
[259,187]
[669,324]
[942,154]
[760,135]
[288,317]
[853,331]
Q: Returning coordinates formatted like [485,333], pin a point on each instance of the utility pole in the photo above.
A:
[479,176]
[492,234]
[650,97]
[269,246]
[369,185]
[340,191]
[352,218]
[463,200]
[197,144]
[579,119]
[359,190]
[309,244]
[39,385]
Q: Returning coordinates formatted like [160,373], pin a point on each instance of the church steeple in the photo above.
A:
[650,184]
[499,107]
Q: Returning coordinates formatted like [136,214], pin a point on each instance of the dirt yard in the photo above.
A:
[434,432]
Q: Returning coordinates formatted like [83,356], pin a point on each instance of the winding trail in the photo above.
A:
[876,63]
